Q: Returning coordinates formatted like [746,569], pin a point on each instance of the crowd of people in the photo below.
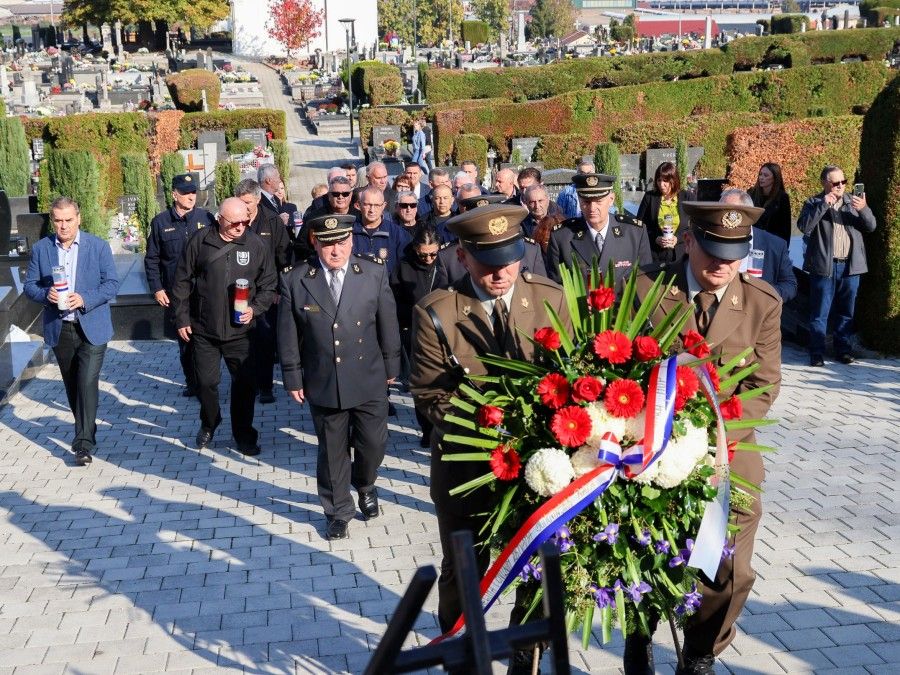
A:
[407,282]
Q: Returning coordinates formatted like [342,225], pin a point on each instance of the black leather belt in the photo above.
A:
[840,259]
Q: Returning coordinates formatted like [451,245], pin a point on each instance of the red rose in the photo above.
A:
[695,344]
[490,416]
[601,298]
[586,389]
[646,348]
[713,375]
[547,338]
[732,447]
[571,426]
[613,346]
[553,390]
[505,462]
[732,409]
[624,398]
[687,383]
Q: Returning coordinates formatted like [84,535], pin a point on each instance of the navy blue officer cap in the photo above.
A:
[184,183]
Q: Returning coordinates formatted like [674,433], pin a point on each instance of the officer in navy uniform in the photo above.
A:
[450,269]
[375,234]
[339,344]
[169,232]
[597,234]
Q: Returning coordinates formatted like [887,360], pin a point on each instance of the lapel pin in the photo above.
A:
[467,310]
[525,303]
[673,291]
[734,300]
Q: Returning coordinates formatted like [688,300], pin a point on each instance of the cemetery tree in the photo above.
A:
[15,167]
[606,159]
[200,14]
[293,23]
[495,13]
[681,159]
[172,165]
[136,180]
[552,18]
[75,174]
[790,7]
[431,19]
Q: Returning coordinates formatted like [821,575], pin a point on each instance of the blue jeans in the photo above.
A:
[834,295]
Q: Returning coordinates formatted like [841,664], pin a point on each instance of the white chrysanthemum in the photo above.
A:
[682,456]
[585,460]
[601,422]
[548,471]
[648,475]
[634,426]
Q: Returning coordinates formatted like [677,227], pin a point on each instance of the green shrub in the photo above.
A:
[186,87]
[15,161]
[606,160]
[562,151]
[422,68]
[475,32]
[878,308]
[241,146]
[753,52]
[282,154]
[471,147]
[833,45]
[2,107]
[172,165]
[681,159]
[788,23]
[228,175]
[230,121]
[43,188]
[386,90]
[363,74]
[375,117]
[76,174]
[137,180]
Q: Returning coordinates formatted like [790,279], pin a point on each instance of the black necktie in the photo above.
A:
[705,301]
[501,322]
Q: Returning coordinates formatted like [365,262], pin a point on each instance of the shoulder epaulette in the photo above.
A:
[631,220]
[532,278]
[447,245]
[529,240]
[371,257]
[760,285]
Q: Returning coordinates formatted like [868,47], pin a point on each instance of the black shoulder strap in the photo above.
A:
[442,338]
[221,253]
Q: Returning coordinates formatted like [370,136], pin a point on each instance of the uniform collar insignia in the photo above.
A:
[525,303]
[467,310]
[734,300]
[357,268]
[617,231]
[311,272]
[579,234]
[673,290]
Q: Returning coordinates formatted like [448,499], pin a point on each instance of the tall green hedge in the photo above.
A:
[475,32]
[473,148]
[282,154]
[137,180]
[76,174]
[15,164]
[172,165]
[878,308]
[386,90]
[363,74]
[186,87]
[44,193]
[788,23]
[606,160]
[228,175]
[230,121]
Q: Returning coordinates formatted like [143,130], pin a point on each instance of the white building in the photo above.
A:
[249,17]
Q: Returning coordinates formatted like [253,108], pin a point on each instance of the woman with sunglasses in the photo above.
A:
[413,279]
[406,211]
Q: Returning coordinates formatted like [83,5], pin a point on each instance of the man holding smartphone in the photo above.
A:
[832,223]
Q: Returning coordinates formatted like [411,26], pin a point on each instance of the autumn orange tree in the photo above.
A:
[293,23]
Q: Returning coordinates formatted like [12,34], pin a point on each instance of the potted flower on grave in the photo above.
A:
[391,147]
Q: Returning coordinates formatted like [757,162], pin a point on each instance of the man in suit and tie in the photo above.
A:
[493,310]
[339,344]
[732,311]
[269,179]
[77,334]
[597,234]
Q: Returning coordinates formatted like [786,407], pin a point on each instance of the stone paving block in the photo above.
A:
[805,638]
[802,661]
[855,655]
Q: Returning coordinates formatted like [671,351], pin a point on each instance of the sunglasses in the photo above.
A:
[403,205]
[428,255]
[835,183]
[340,194]
[234,223]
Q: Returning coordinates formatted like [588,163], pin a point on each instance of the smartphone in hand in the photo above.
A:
[859,190]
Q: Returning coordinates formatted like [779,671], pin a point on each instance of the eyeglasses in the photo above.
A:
[337,195]
[428,255]
[404,205]
[835,183]
[235,223]
[371,206]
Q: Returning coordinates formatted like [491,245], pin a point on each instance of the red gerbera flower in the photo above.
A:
[601,298]
[586,389]
[571,426]
[553,390]
[624,398]
[547,338]
[687,383]
[490,416]
[505,462]
[695,344]
[613,346]
[732,409]
[646,348]
[713,375]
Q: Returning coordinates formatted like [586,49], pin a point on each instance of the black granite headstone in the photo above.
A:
[382,133]
[258,136]
[217,137]
[656,156]
[630,168]
[33,226]
[5,223]
[525,146]
[555,180]
[128,205]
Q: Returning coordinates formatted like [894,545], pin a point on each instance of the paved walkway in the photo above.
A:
[161,558]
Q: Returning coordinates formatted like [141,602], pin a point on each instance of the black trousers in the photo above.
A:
[185,349]
[239,360]
[335,473]
[80,363]
[263,337]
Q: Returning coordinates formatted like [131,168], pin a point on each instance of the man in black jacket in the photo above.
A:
[169,233]
[206,314]
[270,228]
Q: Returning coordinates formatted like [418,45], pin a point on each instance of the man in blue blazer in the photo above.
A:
[79,333]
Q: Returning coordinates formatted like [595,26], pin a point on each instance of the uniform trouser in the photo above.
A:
[239,360]
[263,337]
[185,349]
[335,473]
[80,363]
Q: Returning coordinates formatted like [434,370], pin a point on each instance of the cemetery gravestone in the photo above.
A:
[5,223]
[4,82]
[32,226]
[128,205]
[555,180]
[656,156]
[258,136]
[37,149]
[383,133]
[525,146]
[217,137]
[518,167]
[29,92]
[630,168]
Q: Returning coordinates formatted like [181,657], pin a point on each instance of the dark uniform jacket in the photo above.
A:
[272,231]
[816,222]
[469,334]
[169,233]
[385,242]
[625,244]
[340,356]
[204,287]
[450,270]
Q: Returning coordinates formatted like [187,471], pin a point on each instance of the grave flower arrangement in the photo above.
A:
[391,146]
[613,449]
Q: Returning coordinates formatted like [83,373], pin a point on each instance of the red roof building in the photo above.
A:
[648,27]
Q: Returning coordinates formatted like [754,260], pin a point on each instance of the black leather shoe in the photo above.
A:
[189,392]
[698,665]
[521,662]
[337,529]
[368,504]
[204,436]
[846,359]
[266,397]
[638,656]
[250,450]
[392,410]
[816,361]
[424,441]
[83,458]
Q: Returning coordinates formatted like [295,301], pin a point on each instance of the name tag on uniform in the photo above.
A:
[623,263]
[169,229]
[311,308]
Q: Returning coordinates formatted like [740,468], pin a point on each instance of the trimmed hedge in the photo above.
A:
[475,32]
[878,308]
[812,47]
[241,146]
[363,74]
[228,175]
[15,165]
[561,151]
[137,180]
[471,147]
[76,174]
[788,23]
[282,159]
[797,92]
[186,87]
[44,198]
[230,121]
[386,90]
[172,165]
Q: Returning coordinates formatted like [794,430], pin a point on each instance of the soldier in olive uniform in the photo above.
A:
[488,312]
[617,239]
[733,311]
[339,344]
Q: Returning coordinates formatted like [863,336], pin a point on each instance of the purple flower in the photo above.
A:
[727,551]
[610,534]
[562,539]
[637,590]
[531,572]
[525,574]
[662,546]
[643,539]
[690,602]
[605,597]
[677,561]
[682,557]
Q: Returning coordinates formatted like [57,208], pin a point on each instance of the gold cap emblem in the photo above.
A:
[482,202]
[187,179]
[592,181]
[732,219]
[331,223]
[498,225]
